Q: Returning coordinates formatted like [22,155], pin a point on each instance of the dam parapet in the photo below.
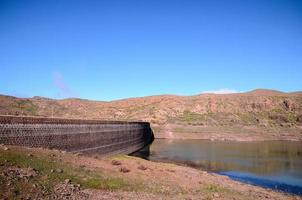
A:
[76,135]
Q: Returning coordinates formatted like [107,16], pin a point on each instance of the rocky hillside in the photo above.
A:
[258,108]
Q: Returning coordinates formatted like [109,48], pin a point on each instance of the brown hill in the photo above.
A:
[258,108]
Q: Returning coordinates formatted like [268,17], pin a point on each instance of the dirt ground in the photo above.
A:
[229,133]
[131,178]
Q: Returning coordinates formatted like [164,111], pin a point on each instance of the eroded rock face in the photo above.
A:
[289,105]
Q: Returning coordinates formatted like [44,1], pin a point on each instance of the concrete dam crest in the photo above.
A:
[76,135]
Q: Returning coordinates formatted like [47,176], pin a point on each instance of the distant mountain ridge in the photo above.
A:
[259,107]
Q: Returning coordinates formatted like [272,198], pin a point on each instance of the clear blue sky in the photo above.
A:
[106,50]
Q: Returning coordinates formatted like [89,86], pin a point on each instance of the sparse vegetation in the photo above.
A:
[39,174]
[212,188]
[261,109]
[189,116]
[26,107]
[50,177]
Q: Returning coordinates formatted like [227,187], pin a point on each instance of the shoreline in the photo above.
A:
[220,174]
[242,175]
[119,176]
[227,140]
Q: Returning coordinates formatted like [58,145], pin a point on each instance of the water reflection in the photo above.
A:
[279,162]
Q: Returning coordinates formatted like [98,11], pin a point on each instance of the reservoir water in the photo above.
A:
[271,164]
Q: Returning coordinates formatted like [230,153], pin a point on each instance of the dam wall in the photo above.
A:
[73,135]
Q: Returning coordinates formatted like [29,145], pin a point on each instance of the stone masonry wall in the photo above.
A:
[86,136]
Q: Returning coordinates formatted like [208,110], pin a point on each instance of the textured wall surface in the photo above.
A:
[86,136]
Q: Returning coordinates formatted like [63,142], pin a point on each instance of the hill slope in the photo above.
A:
[260,109]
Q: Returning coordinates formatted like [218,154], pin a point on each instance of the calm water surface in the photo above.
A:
[273,164]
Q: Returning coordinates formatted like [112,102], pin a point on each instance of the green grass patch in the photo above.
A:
[291,118]
[119,157]
[247,118]
[44,165]
[189,116]
[136,108]
[212,188]
[26,107]
[277,110]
